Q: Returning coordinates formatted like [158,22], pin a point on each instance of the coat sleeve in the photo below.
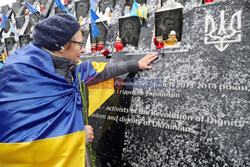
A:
[114,69]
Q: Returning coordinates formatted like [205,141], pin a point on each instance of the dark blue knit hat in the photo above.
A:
[54,32]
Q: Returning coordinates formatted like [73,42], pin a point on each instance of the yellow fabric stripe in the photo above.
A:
[63,151]
[100,92]
[98,66]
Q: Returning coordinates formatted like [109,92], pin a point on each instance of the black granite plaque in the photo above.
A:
[104,4]
[7,26]
[24,40]
[34,18]
[129,29]
[20,22]
[82,8]
[2,45]
[192,109]
[9,44]
[101,37]
[168,20]
[5,9]
[16,6]
[58,11]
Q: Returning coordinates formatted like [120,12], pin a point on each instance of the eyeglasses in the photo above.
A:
[79,43]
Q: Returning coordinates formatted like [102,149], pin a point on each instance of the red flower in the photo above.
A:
[105,52]
[156,42]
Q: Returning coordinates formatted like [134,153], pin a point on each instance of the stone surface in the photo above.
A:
[192,109]
[114,25]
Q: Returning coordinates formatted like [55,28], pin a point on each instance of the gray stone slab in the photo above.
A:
[192,109]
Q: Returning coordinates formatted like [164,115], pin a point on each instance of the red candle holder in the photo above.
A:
[208,1]
[119,45]
[66,2]
[27,12]
[159,43]
[42,8]
[100,46]
[93,47]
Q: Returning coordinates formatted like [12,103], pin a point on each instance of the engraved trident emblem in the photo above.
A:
[223,37]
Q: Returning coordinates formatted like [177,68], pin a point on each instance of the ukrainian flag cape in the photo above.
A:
[41,122]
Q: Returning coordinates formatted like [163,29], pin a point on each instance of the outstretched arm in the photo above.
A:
[118,68]
[145,61]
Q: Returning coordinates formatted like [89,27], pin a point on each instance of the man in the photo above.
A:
[82,9]
[167,24]
[41,123]
[129,37]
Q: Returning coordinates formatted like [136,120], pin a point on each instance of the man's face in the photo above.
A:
[81,10]
[73,51]
[128,29]
[169,25]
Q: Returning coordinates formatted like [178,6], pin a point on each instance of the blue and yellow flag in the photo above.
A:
[4,19]
[97,93]
[92,4]
[31,8]
[100,92]
[94,28]
[61,6]
[135,10]
[141,12]
[41,123]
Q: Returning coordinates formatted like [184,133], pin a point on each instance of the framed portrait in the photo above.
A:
[104,4]
[9,44]
[101,37]
[82,8]
[24,40]
[20,22]
[167,21]
[129,30]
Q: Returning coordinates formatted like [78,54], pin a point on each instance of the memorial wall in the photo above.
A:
[192,108]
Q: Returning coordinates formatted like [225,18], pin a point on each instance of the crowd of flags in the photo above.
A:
[3,24]
[5,18]
[135,11]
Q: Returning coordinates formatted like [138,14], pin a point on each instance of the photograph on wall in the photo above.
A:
[129,30]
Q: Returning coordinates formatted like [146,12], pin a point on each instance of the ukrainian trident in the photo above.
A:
[222,37]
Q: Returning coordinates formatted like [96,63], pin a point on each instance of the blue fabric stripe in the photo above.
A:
[35,102]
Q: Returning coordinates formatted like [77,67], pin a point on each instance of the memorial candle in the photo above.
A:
[119,45]
[208,1]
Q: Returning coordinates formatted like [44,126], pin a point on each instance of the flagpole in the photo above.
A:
[104,24]
[37,15]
